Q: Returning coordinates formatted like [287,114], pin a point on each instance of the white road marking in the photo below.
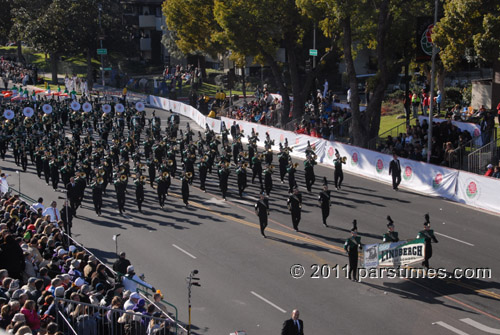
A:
[451,328]
[480,326]
[455,239]
[184,251]
[244,202]
[269,302]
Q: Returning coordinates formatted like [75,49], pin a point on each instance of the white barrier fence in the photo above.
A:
[463,187]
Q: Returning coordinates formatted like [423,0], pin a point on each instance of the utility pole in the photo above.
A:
[192,281]
[100,41]
[433,77]
[314,45]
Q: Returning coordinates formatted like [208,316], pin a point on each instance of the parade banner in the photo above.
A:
[394,254]
[473,128]
[185,110]
[478,191]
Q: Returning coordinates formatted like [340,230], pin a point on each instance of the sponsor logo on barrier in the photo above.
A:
[436,182]
[330,152]
[282,138]
[477,132]
[297,141]
[471,190]
[354,158]
[175,106]
[213,124]
[165,104]
[379,165]
[408,173]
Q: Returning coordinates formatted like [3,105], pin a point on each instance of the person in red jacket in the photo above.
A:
[489,172]
[498,112]
[32,317]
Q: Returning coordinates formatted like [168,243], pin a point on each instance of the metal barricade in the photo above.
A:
[75,317]
[480,158]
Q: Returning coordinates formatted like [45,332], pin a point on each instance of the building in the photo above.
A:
[146,19]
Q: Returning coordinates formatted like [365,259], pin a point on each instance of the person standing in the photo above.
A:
[185,188]
[428,235]
[291,169]
[351,246]
[338,174]
[139,191]
[162,188]
[309,172]
[268,179]
[324,201]
[294,204]
[202,170]
[67,217]
[223,178]
[257,169]
[262,211]
[293,326]
[241,174]
[120,188]
[395,171]
[97,196]
[54,213]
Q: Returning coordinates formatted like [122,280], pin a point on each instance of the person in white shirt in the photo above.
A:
[130,281]
[55,216]
[37,205]
[4,185]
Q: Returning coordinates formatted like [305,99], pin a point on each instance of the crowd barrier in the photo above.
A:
[459,186]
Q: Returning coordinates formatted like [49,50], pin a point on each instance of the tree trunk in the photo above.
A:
[20,57]
[244,89]
[441,76]
[357,128]
[495,85]
[54,60]
[298,98]
[285,99]
[90,72]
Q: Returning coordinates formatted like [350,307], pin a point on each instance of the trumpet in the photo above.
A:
[123,177]
[100,180]
[142,179]
[295,165]
[101,172]
[189,175]
[314,156]
[344,159]
[83,175]
[165,174]
[128,145]
[170,162]
[245,165]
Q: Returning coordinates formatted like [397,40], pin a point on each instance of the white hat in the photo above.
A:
[18,317]
[490,166]
[135,295]
[62,252]
[79,281]
[130,268]
[72,248]
[59,292]
[75,263]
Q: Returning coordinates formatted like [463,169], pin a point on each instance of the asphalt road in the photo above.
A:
[245,279]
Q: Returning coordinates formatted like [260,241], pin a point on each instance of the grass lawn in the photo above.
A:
[207,89]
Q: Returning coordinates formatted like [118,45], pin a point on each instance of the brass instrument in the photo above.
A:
[245,165]
[344,159]
[101,172]
[261,157]
[128,145]
[165,174]
[141,166]
[204,158]
[170,162]
[122,170]
[142,179]
[100,180]
[123,177]
[314,156]
[295,165]
[189,175]
[244,154]
[28,122]
[83,175]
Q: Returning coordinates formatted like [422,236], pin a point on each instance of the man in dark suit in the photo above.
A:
[293,326]
[72,194]
[395,171]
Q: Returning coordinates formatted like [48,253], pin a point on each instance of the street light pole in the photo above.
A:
[19,175]
[433,76]
[100,41]
[192,281]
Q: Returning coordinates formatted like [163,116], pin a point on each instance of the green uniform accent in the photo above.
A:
[390,237]
[352,242]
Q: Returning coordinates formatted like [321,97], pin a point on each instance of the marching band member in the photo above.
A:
[428,235]
[294,204]
[324,201]
[391,235]
[262,211]
[351,246]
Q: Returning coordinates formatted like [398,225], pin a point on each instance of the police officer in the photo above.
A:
[324,201]
[294,205]
[428,235]
[391,235]
[338,174]
[262,211]
[351,246]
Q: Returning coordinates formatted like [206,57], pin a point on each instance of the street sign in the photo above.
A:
[102,51]
[105,69]
[313,52]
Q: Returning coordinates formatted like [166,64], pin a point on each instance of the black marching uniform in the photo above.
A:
[338,174]
[395,172]
[262,211]
[97,197]
[294,204]
[139,193]
[352,245]
[325,203]
[428,235]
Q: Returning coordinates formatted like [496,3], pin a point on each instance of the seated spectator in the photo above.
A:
[496,173]
[489,171]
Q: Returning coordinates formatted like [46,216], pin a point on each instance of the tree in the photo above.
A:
[5,20]
[471,29]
